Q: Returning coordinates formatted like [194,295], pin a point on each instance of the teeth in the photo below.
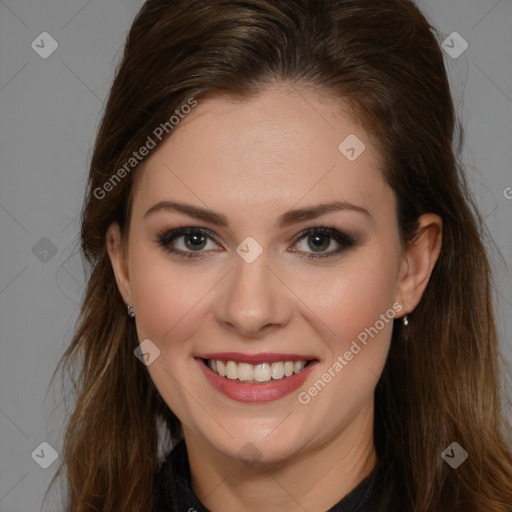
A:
[245,371]
[298,366]
[263,372]
[221,369]
[231,370]
[277,370]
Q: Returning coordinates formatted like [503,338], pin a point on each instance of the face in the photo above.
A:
[232,256]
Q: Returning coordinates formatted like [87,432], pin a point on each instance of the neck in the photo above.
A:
[314,479]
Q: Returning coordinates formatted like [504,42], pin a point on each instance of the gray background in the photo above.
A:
[49,111]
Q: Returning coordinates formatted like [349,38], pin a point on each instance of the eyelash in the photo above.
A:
[345,241]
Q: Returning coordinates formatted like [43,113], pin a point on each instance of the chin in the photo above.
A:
[253,448]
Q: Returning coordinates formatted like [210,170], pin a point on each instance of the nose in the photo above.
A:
[253,300]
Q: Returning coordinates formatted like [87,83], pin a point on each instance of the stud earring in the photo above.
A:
[405,320]
[131,310]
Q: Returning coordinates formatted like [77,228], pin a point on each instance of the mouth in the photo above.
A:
[256,378]
[255,373]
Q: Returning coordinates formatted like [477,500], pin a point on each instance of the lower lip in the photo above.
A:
[256,393]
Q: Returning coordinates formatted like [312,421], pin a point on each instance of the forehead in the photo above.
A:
[278,146]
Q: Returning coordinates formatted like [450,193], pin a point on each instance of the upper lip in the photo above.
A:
[264,357]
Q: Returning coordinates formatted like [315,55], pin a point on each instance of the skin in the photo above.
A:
[251,161]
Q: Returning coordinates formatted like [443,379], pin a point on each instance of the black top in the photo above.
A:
[172,491]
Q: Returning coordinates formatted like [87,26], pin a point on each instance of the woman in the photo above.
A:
[289,282]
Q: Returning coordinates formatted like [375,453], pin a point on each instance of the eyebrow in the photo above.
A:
[286,219]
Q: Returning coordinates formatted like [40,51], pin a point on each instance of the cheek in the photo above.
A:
[351,298]
[357,306]
[167,297]
[169,310]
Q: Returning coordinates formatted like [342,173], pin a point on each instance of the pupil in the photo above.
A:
[319,242]
[196,239]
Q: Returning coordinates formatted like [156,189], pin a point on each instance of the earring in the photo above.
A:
[405,319]
[131,310]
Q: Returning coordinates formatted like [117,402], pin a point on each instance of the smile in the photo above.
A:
[264,372]
[256,378]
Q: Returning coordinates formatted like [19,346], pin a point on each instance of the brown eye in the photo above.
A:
[195,241]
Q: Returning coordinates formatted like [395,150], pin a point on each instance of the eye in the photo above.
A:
[319,239]
[186,242]
[190,242]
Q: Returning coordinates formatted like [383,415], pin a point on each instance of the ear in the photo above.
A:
[119,261]
[418,261]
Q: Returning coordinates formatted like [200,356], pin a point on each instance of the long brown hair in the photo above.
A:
[438,386]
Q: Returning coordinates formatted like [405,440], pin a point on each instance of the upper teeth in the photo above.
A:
[259,372]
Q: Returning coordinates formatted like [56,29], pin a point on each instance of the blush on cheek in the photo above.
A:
[368,343]
[356,310]
[167,300]
[167,319]
[363,327]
